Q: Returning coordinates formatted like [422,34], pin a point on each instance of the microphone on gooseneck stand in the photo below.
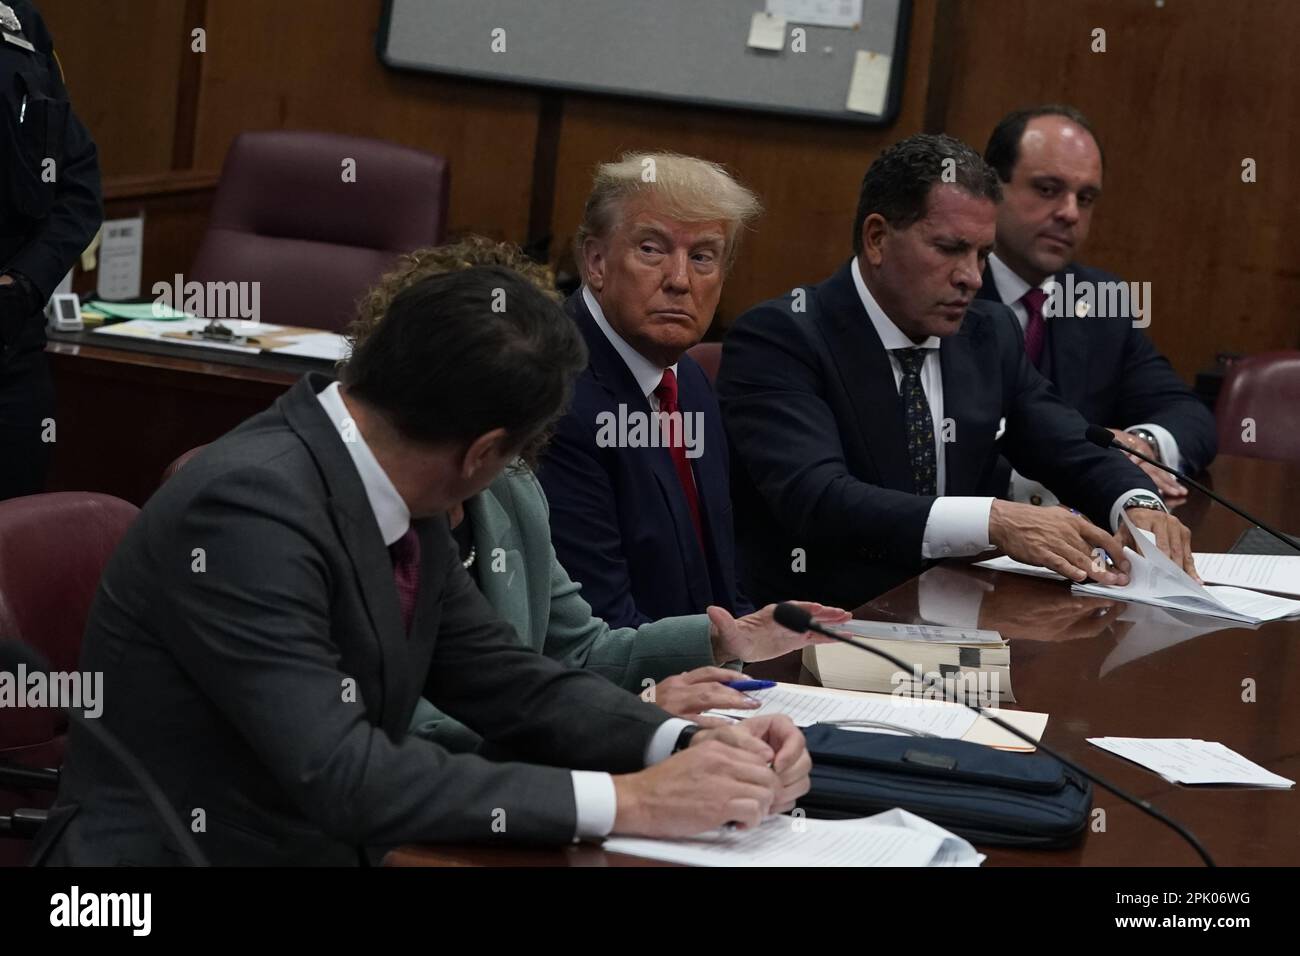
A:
[13,654]
[1103,437]
[797,619]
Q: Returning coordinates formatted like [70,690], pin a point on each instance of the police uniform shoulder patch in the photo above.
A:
[9,20]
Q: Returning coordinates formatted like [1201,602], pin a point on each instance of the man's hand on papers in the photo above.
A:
[1056,538]
[1173,538]
[777,735]
[724,776]
[757,637]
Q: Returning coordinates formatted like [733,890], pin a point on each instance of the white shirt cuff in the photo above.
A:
[593,791]
[1118,506]
[1165,444]
[596,802]
[956,526]
[664,740]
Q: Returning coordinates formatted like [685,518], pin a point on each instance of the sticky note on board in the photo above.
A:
[869,84]
[766,32]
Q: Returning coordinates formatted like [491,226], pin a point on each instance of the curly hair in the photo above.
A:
[465,253]
[468,252]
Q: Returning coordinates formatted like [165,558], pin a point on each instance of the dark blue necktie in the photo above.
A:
[919,424]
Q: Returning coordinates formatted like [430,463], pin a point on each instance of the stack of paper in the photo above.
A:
[329,346]
[887,713]
[952,663]
[1182,760]
[1154,579]
[1260,572]
[893,838]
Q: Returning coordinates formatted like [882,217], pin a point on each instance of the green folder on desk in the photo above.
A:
[154,311]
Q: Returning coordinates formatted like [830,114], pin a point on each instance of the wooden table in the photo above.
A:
[1109,668]
[124,409]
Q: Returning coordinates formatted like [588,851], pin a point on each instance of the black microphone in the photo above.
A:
[1103,437]
[13,653]
[797,619]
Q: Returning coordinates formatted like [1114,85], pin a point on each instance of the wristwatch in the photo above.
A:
[1150,439]
[684,738]
[1145,501]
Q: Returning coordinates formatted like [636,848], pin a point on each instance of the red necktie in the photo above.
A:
[1036,329]
[666,392]
[405,552]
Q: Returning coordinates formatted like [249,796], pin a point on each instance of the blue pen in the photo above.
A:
[744,685]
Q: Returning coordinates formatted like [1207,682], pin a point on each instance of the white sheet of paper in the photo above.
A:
[1189,761]
[149,329]
[814,705]
[1265,572]
[869,83]
[1155,579]
[766,32]
[329,346]
[820,13]
[894,838]
[120,255]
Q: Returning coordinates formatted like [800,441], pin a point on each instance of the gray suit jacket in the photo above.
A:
[518,573]
[251,642]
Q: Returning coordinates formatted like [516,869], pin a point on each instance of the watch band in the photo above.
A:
[684,738]
[1150,438]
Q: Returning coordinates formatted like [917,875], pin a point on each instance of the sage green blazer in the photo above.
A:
[521,578]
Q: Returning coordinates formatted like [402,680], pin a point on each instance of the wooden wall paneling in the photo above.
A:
[299,66]
[807,173]
[121,62]
[1182,94]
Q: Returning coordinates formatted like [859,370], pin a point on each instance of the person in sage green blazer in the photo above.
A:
[505,540]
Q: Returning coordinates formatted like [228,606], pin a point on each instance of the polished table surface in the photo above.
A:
[1109,668]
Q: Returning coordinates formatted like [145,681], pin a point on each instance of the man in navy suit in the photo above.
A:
[1050,165]
[637,471]
[865,412]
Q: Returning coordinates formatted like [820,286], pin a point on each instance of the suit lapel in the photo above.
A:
[1067,344]
[959,367]
[506,590]
[868,378]
[356,526]
[612,374]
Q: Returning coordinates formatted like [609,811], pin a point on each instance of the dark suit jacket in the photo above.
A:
[619,518]
[1112,374]
[817,431]
[251,642]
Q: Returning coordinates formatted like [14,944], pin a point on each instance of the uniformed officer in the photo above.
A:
[50,209]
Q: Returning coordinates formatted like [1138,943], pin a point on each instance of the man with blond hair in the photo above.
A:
[637,472]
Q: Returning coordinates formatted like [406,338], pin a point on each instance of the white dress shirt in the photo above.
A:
[647,373]
[1011,288]
[957,525]
[593,792]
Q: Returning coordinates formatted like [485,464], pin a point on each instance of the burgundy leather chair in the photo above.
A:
[1266,389]
[709,357]
[53,549]
[284,217]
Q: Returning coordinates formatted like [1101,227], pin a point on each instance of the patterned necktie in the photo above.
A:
[666,392]
[1036,328]
[405,552]
[916,416]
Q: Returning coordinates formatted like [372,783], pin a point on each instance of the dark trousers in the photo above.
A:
[26,405]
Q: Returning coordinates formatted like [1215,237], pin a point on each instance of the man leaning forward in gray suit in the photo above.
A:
[270,620]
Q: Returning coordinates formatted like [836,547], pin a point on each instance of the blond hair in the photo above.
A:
[684,188]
